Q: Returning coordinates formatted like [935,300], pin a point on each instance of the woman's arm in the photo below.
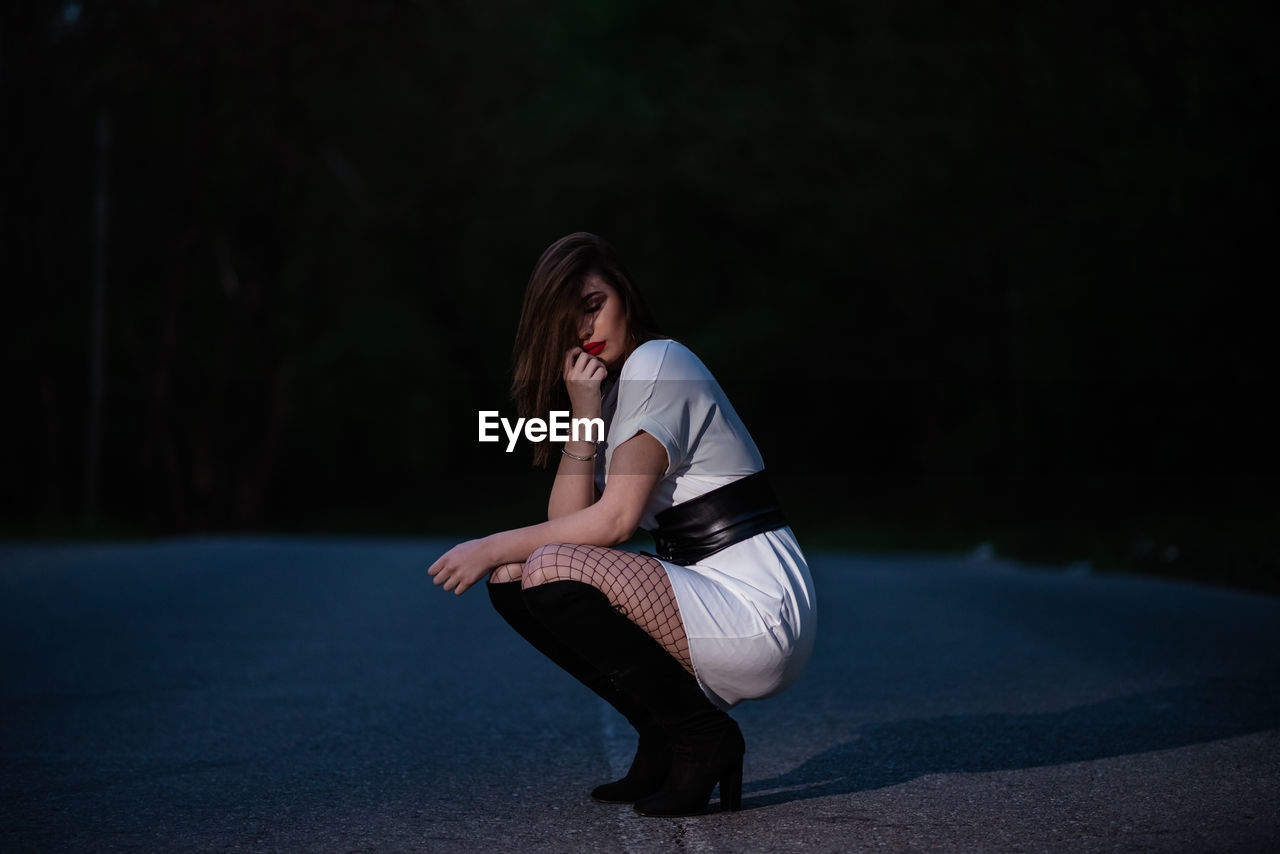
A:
[607,522]
[575,485]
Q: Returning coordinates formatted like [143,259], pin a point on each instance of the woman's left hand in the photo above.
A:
[462,566]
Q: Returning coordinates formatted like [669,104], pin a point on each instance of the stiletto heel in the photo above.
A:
[731,788]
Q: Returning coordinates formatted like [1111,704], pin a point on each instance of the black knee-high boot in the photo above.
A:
[706,744]
[653,751]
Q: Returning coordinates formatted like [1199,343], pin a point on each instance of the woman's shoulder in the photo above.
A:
[665,358]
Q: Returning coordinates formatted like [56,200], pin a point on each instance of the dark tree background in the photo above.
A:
[997,271]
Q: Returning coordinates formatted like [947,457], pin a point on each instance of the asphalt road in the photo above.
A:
[303,695]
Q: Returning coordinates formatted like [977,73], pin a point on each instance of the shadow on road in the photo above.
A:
[887,754]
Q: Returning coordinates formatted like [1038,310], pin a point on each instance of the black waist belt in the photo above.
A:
[699,528]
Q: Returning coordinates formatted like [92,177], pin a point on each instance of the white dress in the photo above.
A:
[749,610]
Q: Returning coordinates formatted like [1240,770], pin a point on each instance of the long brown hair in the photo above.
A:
[549,323]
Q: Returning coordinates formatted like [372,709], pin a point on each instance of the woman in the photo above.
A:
[724,612]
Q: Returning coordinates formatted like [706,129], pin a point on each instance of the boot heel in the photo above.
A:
[731,787]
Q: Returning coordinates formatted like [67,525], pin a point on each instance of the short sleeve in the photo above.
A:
[666,391]
[653,398]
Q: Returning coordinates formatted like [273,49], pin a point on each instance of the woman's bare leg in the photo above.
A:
[636,585]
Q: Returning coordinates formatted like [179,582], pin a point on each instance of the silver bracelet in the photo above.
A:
[578,458]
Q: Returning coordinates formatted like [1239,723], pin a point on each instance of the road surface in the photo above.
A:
[321,695]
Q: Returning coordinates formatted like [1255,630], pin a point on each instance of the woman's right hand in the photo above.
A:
[583,374]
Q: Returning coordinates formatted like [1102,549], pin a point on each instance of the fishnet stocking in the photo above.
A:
[507,572]
[636,585]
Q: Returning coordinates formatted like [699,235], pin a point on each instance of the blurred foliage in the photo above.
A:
[989,266]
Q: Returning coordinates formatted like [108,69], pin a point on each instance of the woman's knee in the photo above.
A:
[546,563]
[507,572]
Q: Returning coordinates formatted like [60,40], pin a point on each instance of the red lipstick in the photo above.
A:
[595,348]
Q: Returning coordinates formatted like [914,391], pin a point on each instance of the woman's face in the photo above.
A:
[602,328]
